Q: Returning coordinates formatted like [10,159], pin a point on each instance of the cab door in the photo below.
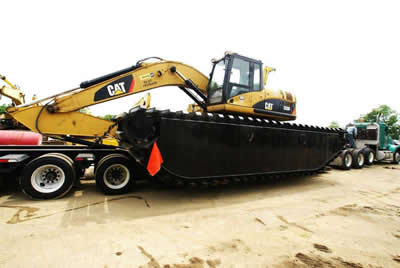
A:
[239,88]
[258,93]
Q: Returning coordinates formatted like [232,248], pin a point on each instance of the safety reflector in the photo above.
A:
[13,158]
[155,160]
[84,157]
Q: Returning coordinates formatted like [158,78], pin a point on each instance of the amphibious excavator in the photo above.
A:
[234,132]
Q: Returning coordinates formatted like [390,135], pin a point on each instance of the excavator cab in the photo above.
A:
[236,86]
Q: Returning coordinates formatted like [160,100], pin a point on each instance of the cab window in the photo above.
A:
[217,82]
[257,77]
[239,79]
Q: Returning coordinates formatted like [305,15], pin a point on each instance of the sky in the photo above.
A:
[340,58]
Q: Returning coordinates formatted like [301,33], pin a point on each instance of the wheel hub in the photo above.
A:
[371,157]
[348,160]
[116,176]
[360,159]
[47,178]
[50,176]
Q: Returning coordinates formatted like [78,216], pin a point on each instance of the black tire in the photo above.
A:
[47,177]
[369,156]
[358,158]
[114,174]
[347,160]
[396,157]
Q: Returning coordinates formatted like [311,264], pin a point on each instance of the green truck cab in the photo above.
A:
[368,143]
[375,136]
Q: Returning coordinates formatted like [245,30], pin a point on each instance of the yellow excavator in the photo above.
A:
[17,97]
[234,131]
[240,93]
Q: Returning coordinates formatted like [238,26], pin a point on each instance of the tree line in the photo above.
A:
[388,115]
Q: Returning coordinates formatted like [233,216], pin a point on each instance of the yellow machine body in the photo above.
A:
[58,114]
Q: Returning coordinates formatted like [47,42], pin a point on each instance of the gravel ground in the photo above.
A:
[335,219]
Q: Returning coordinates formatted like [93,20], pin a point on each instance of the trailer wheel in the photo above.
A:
[48,176]
[78,171]
[114,174]
[347,160]
[369,156]
[358,158]
[396,157]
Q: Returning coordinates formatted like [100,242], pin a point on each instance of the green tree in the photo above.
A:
[108,117]
[388,116]
[3,108]
[334,124]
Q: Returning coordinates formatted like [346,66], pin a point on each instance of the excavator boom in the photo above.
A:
[59,115]
[141,78]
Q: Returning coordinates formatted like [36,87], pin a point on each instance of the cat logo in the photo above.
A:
[116,89]
[268,106]
[120,86]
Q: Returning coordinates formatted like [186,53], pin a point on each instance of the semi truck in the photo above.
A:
[368,142]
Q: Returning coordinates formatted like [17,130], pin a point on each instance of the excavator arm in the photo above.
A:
[59,115]
[141,78]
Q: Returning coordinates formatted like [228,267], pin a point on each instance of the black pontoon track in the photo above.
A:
[219,148]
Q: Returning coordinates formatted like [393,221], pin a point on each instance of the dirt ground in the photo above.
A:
[335,219]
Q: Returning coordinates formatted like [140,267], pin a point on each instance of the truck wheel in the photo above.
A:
[369,156]
[396,157]
[78,171]
[114,174]
[358,158]
[46,177]
[347,160]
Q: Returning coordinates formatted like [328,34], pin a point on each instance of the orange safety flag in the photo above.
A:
[155,160]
